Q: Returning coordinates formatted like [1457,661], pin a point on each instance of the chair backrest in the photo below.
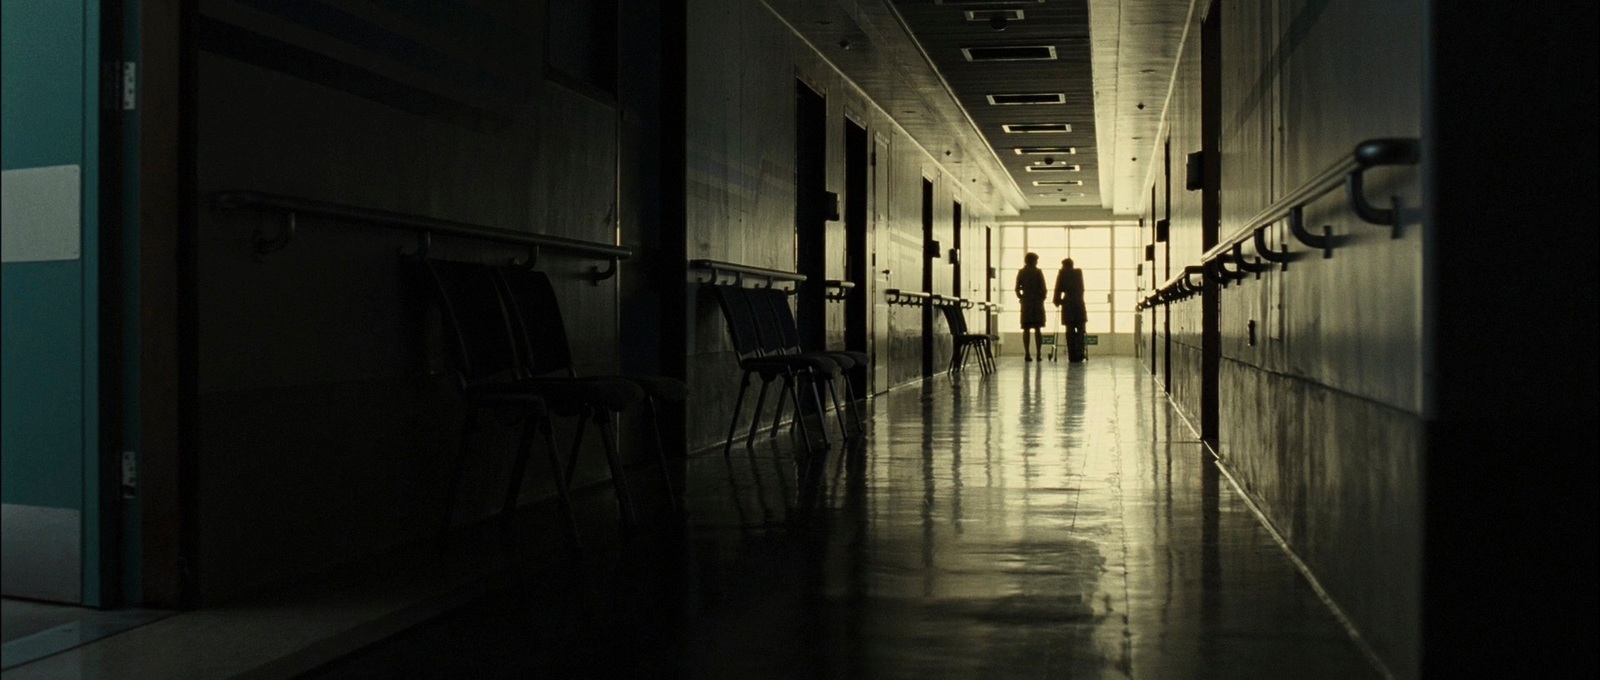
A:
[475,320]
[955,319]
[777,303]
[768,331]
[740,319]
[536,314]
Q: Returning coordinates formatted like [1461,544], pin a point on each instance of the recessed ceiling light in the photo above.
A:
[1037,127]
[1058,182]
[1025,99]
[989,14]
[974,3]
[1037,150]
[1147,70]
[1053,168]
[1011,53]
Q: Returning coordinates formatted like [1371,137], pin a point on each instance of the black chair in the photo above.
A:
[788,342]
[741,319]
[546,351]
[967,342]
[488,372]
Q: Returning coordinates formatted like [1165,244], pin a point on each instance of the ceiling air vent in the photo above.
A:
[1037,127]
[1040,150]
[979,3]
[1039,98]
[1054,168]
[1019,53]
[1058,183]
[990,14]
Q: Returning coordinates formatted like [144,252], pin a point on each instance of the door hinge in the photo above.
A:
[130,474]
[130,85]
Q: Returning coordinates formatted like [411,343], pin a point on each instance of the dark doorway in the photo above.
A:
[988,277]
[955,251]
[1154,283]
[856,167]
[930,254]
[810,213]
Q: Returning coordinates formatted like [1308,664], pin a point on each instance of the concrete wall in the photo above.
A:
[320,368]
[1322,416]
[743,64]
[325,417]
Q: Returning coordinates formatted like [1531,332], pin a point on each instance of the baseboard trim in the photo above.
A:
[1311,578]
[1339,615]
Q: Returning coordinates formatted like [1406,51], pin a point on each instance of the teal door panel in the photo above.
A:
[48,286]
[41,383]
[42,92]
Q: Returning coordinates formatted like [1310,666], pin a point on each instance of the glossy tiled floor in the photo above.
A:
[1051,521]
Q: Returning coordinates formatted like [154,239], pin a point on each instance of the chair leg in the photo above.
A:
[560,477]
[457,466]
[855,411]
[619,478]
[661,450]
[514,485]
[838,412]
[777,415]
[805,434]
[577,445]
[822,420]
[738,404]
[755,417]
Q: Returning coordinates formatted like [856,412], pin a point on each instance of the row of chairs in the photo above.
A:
[766,342]
[967,343]
[511,351]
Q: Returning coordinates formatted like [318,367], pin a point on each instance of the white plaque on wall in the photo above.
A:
[41,214]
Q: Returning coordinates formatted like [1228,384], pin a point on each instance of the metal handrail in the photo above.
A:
[1226,261]
[739,271]
[426,227]
[1347,172]
[907,297]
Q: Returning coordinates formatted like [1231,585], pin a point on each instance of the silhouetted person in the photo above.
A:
[1074,315]
[1031,291]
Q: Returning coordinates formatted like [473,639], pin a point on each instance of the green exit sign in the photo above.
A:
[1091,339]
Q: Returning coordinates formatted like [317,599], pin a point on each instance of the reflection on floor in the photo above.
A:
[1052,520]
[34,630]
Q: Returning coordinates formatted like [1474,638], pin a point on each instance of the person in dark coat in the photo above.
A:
[1031,291]
[1074,314]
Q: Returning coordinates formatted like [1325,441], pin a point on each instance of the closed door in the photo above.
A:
[49,370]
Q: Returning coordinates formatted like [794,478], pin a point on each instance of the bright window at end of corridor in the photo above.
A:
[1108,254]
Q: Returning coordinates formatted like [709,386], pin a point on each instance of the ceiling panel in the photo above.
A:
[1114,64]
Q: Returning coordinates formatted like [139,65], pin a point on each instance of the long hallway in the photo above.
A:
[1052,520]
